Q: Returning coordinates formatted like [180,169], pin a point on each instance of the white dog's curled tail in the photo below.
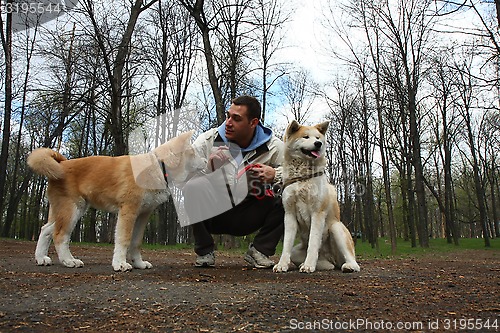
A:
[45,162]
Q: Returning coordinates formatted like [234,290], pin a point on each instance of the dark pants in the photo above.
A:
[250,215]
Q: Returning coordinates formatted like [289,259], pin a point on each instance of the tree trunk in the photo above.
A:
[387,181]
[422,225]
[412,215]
[494,182]
[406,179]
[4,154]
[173,225]
[448,189]
[368,195]
[483,216]
[116,81]
[90,232]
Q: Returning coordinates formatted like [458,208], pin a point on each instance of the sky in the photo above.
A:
[303,37]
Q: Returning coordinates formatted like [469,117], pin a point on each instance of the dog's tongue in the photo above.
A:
[315,153]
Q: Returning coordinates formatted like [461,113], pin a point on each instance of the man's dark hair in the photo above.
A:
[252,104]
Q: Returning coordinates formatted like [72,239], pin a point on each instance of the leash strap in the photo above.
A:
[268,191]
[228,188]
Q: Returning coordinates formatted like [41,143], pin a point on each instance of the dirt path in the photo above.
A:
[425,294]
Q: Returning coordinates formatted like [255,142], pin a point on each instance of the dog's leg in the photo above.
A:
[315,239]
[298,254]
[123,235]
[134,252]
[66,216]
[288,240]
[43,244]
[343,247]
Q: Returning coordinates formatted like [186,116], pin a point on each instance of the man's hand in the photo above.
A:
[263,172]
[218,158]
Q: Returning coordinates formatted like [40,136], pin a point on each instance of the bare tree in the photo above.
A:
[233,42]
[235,33]
[351,135]
[466,87]
[442,79]
[114,62]
[170,49]
[491,147]
[17,186]
[299,93]
[370,71]
[206,25]
[408,30]
[269,17]
[487,28]
[6,36]
[341,158]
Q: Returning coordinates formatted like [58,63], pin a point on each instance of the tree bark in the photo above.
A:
[422,225]
[4,154]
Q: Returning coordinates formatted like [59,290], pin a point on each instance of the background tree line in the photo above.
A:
[414,113]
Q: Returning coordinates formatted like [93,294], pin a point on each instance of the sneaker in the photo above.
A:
[207,260]
[257,259]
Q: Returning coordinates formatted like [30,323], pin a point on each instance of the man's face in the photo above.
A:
[239,128]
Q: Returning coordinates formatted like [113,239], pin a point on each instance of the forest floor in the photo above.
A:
[434,292]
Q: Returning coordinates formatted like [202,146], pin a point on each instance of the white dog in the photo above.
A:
[311,206]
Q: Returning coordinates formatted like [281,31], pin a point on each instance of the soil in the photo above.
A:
[456,291]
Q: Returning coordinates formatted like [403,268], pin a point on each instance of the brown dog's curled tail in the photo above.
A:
[45,162]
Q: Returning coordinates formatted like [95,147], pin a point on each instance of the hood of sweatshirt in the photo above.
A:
[261,136]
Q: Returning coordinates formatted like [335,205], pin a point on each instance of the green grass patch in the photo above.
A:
[363,249]
[404,248]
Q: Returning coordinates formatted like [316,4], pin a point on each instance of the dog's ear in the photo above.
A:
[186,136]
[172,160]
[183,140]
[323,127]
[172,151]
[293,127]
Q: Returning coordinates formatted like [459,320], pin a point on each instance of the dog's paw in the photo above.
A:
[44,261]
[122,267]
[350,267]
[142,264]
[72,263]
[306,268]
[280,268]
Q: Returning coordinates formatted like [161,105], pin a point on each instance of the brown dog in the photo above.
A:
[132,186]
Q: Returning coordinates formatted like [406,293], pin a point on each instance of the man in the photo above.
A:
[234,197]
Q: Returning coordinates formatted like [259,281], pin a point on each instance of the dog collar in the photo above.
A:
[298,179]
[164,171]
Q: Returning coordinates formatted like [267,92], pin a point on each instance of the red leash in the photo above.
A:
[267,193]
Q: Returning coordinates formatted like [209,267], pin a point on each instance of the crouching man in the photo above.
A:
[234,194]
